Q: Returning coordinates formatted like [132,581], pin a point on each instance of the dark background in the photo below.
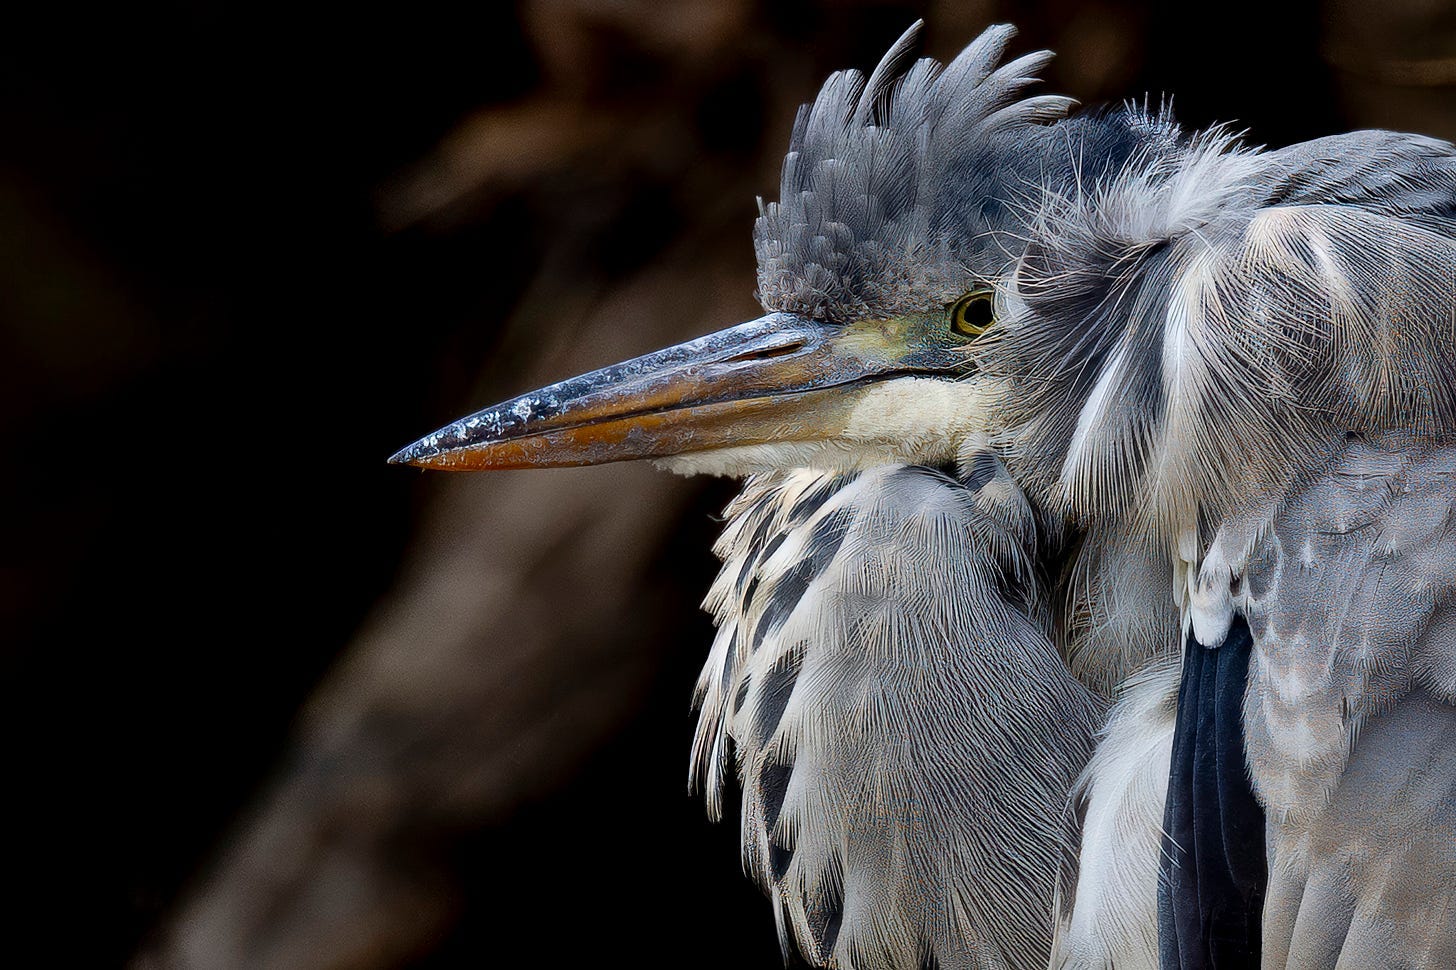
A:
[270,702]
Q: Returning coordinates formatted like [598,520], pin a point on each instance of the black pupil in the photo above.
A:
[976,313]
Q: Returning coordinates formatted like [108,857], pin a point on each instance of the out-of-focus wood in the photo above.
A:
[519,633]
[510,647]
[1395,63]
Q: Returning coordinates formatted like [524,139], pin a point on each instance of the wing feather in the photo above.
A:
[1211,319]
[1314,323]
[1348,582]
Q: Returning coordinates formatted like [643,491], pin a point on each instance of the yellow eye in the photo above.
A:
[974,314]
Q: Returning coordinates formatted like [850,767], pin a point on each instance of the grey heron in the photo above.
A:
[1089,600]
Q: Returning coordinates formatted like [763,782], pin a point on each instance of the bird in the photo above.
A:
[1090,599]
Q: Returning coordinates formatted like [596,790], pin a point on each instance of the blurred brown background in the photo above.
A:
[269,702]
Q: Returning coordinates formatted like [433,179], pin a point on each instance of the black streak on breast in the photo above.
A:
[819,551]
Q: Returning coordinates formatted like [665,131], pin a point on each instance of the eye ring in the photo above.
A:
[974,313]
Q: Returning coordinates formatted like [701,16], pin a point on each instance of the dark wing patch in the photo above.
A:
[1214,874]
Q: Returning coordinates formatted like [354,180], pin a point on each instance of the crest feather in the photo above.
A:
[884,192]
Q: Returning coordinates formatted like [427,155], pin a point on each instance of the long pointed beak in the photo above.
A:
[778,378]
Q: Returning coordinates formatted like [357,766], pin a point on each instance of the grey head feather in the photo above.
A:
[893,186]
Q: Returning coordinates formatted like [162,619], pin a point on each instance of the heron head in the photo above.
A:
[882,269]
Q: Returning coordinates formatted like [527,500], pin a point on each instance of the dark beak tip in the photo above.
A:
[414,454]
